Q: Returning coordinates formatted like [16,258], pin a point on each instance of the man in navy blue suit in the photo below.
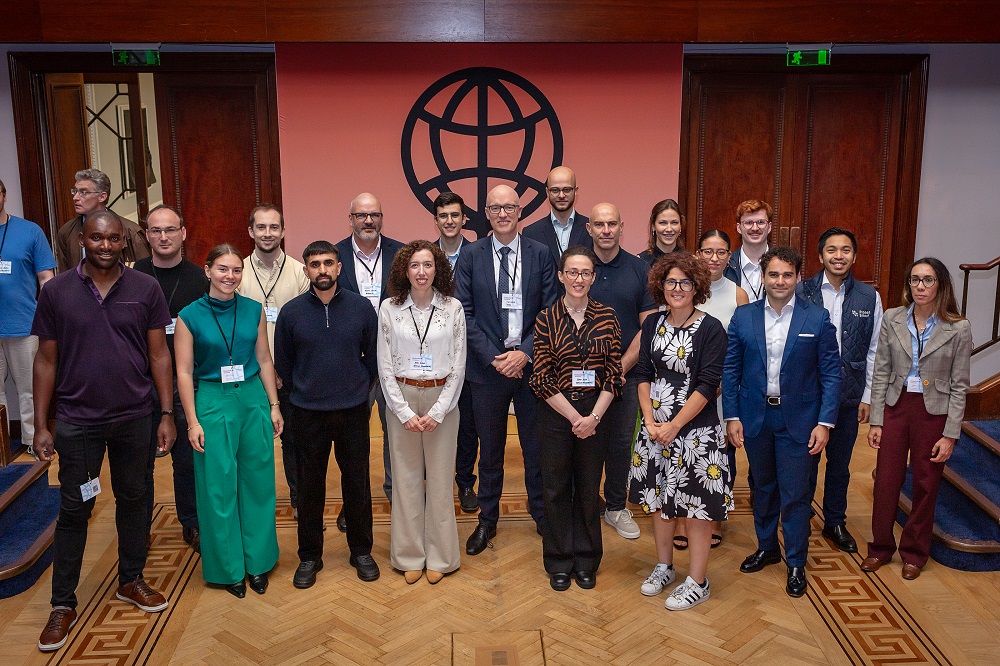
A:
[563,227]
[503,281]
[780,397]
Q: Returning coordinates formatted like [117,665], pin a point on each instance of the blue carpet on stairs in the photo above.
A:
[979,466]
[10,475]
[991,428]
[22,522]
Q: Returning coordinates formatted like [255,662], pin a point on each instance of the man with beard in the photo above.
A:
[273,279]
[329,333]
[563,227]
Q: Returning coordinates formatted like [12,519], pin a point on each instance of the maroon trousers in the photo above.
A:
[907,429]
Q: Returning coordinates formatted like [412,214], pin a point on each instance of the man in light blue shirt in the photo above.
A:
[563,227]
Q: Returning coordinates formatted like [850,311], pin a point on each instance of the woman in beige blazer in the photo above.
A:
[918,402]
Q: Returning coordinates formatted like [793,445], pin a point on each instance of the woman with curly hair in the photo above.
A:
[421,358]
[679,467]
[665,226]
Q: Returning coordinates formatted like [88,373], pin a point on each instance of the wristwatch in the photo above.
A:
[596,417]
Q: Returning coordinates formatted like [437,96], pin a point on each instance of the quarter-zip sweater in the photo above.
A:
[327,352]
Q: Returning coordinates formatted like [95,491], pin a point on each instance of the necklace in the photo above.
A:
[583,309]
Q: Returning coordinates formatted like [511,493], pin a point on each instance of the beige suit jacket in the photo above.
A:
[944,368]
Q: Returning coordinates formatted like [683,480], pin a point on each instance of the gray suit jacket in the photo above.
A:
[944,368]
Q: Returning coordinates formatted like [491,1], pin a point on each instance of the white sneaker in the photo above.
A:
[623,523]
[687,595]
[654,584]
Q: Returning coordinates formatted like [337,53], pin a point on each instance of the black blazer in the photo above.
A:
[476,288]
[542,231]
[349,281]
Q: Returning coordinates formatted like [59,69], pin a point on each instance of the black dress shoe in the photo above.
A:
[468,500]
[841,538]
[479,539]
[559,581]
[305,575]
[192,537]
[796,581]
[341,520]
[585,579]
[367,569]
[258,583]
[760,559]
[238,590]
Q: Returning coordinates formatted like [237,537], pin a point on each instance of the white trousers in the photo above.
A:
[16,358]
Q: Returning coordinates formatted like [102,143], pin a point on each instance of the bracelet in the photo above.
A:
[196,425]
[274,404]
[596,416]
[166,412]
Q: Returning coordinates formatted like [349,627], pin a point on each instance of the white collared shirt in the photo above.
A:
[514,263]
[563,231]
[776,326]
[751,281]
[368,270]
[833,301]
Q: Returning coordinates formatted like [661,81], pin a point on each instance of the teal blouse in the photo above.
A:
[205,317]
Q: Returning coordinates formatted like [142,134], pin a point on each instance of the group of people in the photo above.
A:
[614,364]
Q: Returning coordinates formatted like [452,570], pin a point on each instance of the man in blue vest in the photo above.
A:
[856,312]
[753,224]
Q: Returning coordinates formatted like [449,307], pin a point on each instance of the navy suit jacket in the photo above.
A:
[476,288]
[810,370]
[349,281]
[543,232]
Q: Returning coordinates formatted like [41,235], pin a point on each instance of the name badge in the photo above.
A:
[5,267]
[914,385]
[421,362]
[583,378]
[172,326]
[271,314]
[510,301]
[654,392]
[90,489]
[373,290]
[232,373]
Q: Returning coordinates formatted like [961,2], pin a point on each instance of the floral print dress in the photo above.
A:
[688,477]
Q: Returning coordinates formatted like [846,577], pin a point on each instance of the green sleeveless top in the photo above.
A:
[238,320]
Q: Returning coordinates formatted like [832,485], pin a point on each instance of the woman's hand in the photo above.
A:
[413,424]
[427,423]
[277,421]
[942,450]
[664,433]
[585,426]
[875,436]
[196,435]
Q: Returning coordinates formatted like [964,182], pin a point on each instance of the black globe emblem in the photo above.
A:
[450,93]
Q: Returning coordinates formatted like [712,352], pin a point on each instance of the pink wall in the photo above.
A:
[342,109]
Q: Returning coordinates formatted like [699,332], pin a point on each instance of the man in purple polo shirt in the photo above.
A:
[102,346]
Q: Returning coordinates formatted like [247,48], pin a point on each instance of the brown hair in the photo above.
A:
[752,206]
[945,306]
[658,208]
[399,279]
[695,270]
[221,250]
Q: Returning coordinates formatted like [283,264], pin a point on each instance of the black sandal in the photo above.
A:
[716,540]
[680,542]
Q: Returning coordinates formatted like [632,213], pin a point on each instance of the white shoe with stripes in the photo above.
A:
[687,595]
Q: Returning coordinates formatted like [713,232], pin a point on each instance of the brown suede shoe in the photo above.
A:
[872,564]
[910,571]
[53,637]
[142,596]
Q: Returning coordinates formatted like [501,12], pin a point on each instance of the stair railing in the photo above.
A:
[967,269]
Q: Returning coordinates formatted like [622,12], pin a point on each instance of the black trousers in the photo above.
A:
[468,440]
[288,446]
[81,452]
[182,460]
[571,481]
[347,430]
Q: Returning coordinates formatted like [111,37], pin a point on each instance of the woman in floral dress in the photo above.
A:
[679,467]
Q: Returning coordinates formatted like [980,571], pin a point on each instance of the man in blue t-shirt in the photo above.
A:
[26,263]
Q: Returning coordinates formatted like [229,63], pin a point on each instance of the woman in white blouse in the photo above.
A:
[421,356]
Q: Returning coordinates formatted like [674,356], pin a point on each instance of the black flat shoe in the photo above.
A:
[796,581]
[480,539]
[585,579]
[468,500]
[341,521]
[841,538]
[760,559]
[258,583]
[305,574]
[559,581]
[238,590]
[366,566]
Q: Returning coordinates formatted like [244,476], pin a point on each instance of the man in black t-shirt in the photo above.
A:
[182,283]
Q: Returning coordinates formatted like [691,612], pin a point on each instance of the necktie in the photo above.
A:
[504,287]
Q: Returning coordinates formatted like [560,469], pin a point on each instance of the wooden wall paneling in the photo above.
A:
[591,21]
[68,140]
[391,21]
[27,89]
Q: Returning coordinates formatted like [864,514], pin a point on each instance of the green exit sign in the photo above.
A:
[807,57]
[136,58]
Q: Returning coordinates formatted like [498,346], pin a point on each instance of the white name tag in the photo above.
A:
[5,268]
[584,378]
[90,489]
[172,326]
[510,301]
[421,362]
[271,314]
[654,392]
[373,290]
[914,385]
[232,373]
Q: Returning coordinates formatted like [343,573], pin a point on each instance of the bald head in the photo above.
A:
[605,227]
[366,219]
[560,188]
[365,198]
[503,210]
[605,210]
[502,194]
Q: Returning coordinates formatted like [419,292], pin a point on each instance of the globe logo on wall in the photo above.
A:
[477,128]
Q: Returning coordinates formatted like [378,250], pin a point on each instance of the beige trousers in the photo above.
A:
[16,358]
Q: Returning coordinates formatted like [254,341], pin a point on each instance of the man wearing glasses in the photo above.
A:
[503,282]
[753,224]
[182,283]
[90,195]
[366,256]
[563,227]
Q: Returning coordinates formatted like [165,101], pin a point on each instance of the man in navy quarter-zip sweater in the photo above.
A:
[324,344]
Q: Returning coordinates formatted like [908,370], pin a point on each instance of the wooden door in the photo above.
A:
[218,139]
[68,141]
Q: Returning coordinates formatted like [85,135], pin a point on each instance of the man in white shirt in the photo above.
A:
[563,227]
[753,224]
[450,219]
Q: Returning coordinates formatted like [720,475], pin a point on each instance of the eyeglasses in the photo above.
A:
[556,191]
[82,193]
[495,209]
[574,274]
[683,285]
[169,231]
[754,223]
[928,280]
[360,217]
[707,252]
[444,217]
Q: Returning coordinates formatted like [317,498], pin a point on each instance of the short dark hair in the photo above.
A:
[658,208]
[784,253]
[447,199]
[693,268]
[577,251]
[319,247]
[104,215]
[165,207]
[221,250]
[399,280]
[837,231]
[715,233]
[3,188]
[945,306]
[266,206]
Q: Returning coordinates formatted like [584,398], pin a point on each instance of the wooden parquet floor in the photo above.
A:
[499,610]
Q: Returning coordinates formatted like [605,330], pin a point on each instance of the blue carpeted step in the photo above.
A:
[23,522]
[12,474]
[991,428]
[977,465]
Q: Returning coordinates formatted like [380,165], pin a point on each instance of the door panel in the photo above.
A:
[68,141]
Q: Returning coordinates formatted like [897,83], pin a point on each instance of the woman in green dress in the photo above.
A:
[221,343]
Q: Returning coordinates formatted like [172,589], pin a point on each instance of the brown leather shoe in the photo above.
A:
[872,564]
[910,571]
[142,596]
[53,637]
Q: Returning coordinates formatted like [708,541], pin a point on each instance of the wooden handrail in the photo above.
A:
[967,269]
[980,267]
